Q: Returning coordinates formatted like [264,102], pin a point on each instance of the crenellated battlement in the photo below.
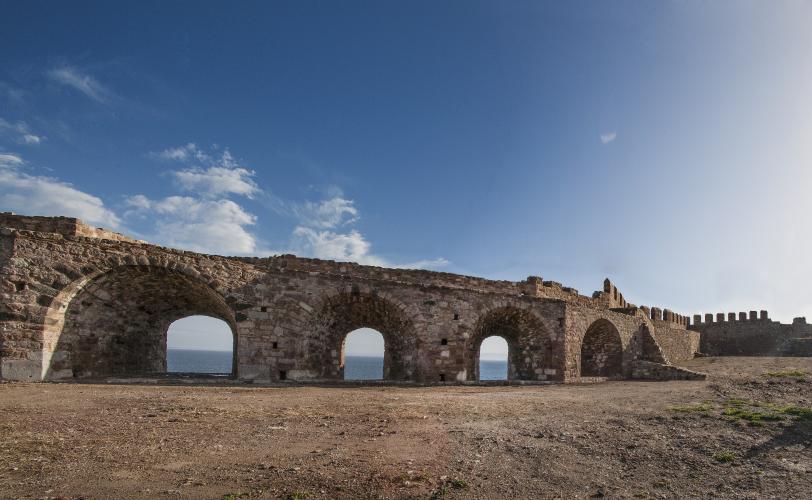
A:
[731,317]
[752,333]
[611,296]
[666,315]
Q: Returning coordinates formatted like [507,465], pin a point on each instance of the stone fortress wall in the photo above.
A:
[752,334]
[81,302]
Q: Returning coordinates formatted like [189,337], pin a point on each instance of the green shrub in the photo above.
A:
[691,408]
[737,413]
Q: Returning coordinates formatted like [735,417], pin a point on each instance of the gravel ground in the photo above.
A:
[740,434]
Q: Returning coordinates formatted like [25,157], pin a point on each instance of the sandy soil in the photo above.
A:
[616,439]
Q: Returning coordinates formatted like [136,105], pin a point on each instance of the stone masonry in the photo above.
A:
[752,334]
[80,302]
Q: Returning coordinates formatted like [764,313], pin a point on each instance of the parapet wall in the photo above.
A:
[752,334]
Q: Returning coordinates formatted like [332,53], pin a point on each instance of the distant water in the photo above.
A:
[355,368]
[370,368]
[193,361]
[492,370]
[363,368]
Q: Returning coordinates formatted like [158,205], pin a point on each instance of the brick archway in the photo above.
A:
[116,322]
[602,351]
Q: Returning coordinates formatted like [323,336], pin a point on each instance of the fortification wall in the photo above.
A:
[678,344]
[77,303]
[751,334]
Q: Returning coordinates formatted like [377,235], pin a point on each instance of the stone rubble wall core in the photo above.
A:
[81,302]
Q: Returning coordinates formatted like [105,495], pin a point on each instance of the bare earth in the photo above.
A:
[616,439]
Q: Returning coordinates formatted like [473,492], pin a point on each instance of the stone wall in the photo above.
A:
[81,302]
[751,334]
[678,344]
[67,226]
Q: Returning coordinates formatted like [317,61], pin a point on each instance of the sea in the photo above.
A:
[356,367]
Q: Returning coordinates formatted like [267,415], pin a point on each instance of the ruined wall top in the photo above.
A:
[67,226]
[533,286]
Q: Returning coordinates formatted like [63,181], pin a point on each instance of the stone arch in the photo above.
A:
[602,350]
[345,312]
[529,343]
[114,322]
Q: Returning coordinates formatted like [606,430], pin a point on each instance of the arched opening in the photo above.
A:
[530,349]
[200,344]
[343,313]
[493,359]
[116,323]
[602,351]
[362,355]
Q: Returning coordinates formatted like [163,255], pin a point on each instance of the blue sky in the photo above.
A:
[666,145]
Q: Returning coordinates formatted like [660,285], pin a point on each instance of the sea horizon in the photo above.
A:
[212,361]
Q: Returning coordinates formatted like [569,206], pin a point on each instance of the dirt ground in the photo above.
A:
[740,434]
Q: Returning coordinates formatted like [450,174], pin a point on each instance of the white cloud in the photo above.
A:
[326,214]
[424,264]
[39,195]
[139,203]
[86,84]
[208,226]
[216,181]
[209,175]
[19,132]
[351,247]
[608,137]
[186,152]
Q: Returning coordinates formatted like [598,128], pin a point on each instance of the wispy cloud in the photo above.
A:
[217,181]
[14,95]
[19,132]
[84,83]
[349,246]
[608,137]
[186,152]
[10,160]
[209,174]
[41,195]
[328,213]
